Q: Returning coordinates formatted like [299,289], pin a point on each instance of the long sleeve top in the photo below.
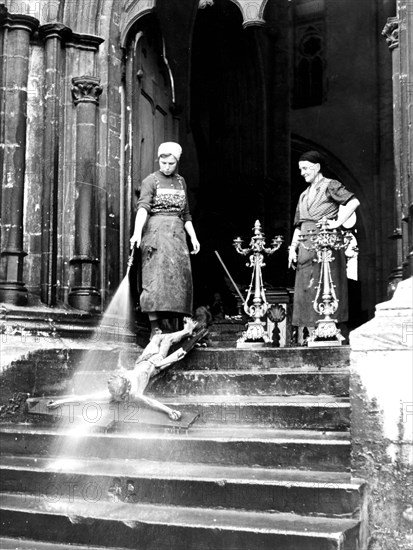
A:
[167,195]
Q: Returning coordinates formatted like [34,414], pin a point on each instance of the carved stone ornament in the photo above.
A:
[252,11]
[204,3]
[391,32]
[86,89]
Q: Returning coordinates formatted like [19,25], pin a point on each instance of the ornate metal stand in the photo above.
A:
[255,333]
[324,242]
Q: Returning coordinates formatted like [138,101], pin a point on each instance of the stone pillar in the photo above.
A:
[399,35]
[84,288]
[405,17]
[275,52]
[53,34]
[15,67]
[391,33]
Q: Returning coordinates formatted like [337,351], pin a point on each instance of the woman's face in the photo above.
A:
[309,170]
[167,165]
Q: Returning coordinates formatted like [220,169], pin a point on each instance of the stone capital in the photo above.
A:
[391,32]
[86,89]
[55,30]
[19,21]
[85,41]
[252,12]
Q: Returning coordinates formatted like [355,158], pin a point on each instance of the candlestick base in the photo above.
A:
[326,334]
[255,334]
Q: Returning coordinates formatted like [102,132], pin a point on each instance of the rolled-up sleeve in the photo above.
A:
[147,194]
[186,215]
[338,193]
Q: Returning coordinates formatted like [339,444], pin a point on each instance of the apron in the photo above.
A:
[166,266]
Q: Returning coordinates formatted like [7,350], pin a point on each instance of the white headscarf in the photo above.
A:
[170,148]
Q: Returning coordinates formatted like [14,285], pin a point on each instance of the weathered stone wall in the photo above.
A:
[382,419]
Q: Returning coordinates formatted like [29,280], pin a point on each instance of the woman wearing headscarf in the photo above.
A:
[322,198]
[161,221]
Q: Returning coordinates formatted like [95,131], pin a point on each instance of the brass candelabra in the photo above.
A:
[255,304]
[325,241]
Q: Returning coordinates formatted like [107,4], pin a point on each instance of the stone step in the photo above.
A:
[185,484]
[223,335]
[226,445]
[266,358]
[7,543]
[176,381]
[48,372]
[160,527]
[70,360]
[310,412]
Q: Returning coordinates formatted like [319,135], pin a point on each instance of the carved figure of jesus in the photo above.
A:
[131,385]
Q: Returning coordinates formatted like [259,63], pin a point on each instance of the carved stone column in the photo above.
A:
[399,35]
[405,17]
[53,35]
[391,33]
[84,288]
[17,30]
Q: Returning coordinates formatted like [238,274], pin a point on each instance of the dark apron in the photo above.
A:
[306,281]
[166,267]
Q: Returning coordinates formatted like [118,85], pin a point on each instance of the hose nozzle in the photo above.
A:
[130,259]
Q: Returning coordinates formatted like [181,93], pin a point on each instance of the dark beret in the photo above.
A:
[313,156]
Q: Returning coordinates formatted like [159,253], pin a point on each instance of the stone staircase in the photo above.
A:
[266,465]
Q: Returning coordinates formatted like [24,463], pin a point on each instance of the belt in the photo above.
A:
[176,215]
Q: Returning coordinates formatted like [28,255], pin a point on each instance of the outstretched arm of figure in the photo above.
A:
[97,397]
[292,250]
[157,405]
[189,228]
[140,220]
[344,214]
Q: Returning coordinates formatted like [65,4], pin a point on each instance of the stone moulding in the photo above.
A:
[391,32]
[132,10]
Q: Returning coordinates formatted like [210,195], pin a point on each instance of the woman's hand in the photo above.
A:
[189,228]
[344,214]
[141,216]
[332,224]
[135,240]
[292,257]
[196,247]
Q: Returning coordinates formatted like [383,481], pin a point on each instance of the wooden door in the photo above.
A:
[152,121]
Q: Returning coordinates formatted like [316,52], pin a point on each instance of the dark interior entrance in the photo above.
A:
[229,127]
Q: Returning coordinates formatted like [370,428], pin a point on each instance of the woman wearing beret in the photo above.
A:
[161,221]
[322,198]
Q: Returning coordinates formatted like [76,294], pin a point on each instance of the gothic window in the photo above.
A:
[309,55]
